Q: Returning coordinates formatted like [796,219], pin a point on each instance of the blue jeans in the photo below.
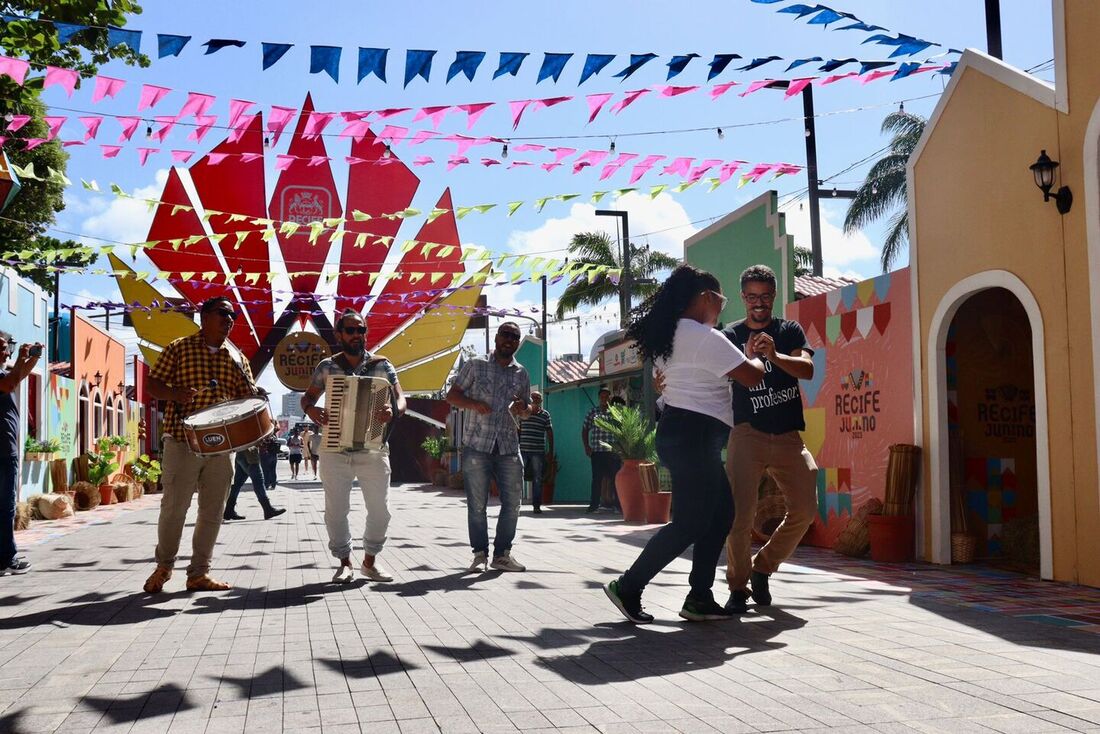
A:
[534,463]
[270,464]
[478,467]
[9,476]
[690,445]
[243,471]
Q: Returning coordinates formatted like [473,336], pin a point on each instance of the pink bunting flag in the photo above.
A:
[278,120]
[317,160]
[489,162]
[629,99]
[356,130]
[106,86]
[528,147]
[787,169]
[674,91]
[197,104]
[71,143]
[518,107]
[719,89]
[15,69]
[393,134]
[215,158]
[837,78]
[316,124]
[129,125]
[203,123]
[435,114]
[238,108]
[548,167]
[725,173]
[613,167]
[550,102]
[561,154]
[237,131]
[796,86]
[700,170]
[520,164]
[32,143]
[17,121]
[151,95]
[110,151]
[759,171]
[878,74]
[166,124]
[392,112]
[756,86]
[182,156]
[283,162]
[643,168]
[596,103]
[64,78]
[251,157]
[474,112]
[352,160]
[423,160]
[54,124]
[421,136]
[144,153]
[679,166]
[456,160]
[91,126]
[590,158]
[353,115]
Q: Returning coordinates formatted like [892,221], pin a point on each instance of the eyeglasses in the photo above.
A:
[226,313]
[721,299]
[354,330]
[758,297]
[513,335]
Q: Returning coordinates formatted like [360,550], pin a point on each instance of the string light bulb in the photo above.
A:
[387,153]
[611,148]
[721,135]
[504,150]
[267,142]
[901,107]
[148,130]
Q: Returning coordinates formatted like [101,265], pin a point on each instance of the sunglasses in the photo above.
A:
[226,313]
[513,335]
[355,330]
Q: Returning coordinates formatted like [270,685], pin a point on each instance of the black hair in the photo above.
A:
[510,323]
[211,304]
[758,274]
[348,312]
[654,322]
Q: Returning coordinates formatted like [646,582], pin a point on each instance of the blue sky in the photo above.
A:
[736,26]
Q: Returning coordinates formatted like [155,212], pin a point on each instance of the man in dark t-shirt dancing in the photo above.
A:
[765,438]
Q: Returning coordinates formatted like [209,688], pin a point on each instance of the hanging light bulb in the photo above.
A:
[504,150]
[388,153]
[9,117]
[267,142]
[874,188]
[721,135]
[148,130]
[611,148]
[901,107]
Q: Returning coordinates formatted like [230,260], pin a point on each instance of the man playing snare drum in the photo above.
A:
[183,376]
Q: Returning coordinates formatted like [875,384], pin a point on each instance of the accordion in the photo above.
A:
[352,404]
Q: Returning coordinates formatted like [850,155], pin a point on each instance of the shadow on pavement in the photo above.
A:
[374,666]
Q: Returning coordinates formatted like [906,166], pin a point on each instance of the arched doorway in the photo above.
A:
[989,453]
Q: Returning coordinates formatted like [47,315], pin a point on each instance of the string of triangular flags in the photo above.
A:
[373,62]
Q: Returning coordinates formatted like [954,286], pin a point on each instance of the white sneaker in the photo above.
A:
[480,563]
[375,573]
[343,575]
[507,563]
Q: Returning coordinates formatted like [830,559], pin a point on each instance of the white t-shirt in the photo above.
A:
[695,373]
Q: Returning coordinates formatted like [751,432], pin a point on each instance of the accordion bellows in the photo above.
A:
[352,404]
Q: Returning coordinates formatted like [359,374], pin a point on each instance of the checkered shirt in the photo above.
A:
[485,380]
[596,435]
[188,362]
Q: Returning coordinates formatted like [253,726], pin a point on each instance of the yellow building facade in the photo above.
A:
[1006,305]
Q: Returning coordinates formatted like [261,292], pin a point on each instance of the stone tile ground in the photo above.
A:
[849,646]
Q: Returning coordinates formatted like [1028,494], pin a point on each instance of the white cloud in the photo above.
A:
[837,249]
[662,223]
[125,220]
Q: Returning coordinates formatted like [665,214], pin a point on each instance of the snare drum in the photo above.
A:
[232,426]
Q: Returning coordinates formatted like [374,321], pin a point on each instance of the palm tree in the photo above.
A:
[803,261]
[884,190]
[598,248]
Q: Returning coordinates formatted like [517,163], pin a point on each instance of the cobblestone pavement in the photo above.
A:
[848,646]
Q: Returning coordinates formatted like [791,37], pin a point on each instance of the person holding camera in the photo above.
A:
[10,378]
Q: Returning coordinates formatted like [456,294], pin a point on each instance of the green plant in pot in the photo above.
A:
[146,470]
[101,465]
[634,439]
[435,447]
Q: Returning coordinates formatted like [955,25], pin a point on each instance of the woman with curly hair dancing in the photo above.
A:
[675,329]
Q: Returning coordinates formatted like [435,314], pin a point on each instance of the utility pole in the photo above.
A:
[993,28]
[626,280]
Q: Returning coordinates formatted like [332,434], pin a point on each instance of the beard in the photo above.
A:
[354,350]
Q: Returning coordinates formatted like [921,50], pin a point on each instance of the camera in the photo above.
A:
[36,350]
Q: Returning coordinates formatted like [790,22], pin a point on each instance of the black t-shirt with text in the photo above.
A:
[775,405]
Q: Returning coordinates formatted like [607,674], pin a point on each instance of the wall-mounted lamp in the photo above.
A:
[1045,171]
[121,388]
[97,378]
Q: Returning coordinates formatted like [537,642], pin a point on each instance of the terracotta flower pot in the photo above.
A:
[107,494]
[628,483]
[891,538]
[657,506]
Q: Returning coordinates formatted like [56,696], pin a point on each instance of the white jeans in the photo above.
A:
[338,472]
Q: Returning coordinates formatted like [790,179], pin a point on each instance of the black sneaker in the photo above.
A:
[738,602]
[591,510]
[232,516]
[706,610]
[17,566]
[629,604]
[760,593]
[275,512]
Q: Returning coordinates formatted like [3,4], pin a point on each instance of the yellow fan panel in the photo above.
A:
[429,376]
[158,327]
[149,354]
[439,329]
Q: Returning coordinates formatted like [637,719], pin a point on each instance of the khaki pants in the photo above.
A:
[338,473]
[750,453]
[184,473]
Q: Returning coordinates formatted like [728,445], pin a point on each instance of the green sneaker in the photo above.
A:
[704,611]
[629,604]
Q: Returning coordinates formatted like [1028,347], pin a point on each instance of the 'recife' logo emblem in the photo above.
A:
[305,204]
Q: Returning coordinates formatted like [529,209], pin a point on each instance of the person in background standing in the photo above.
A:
[535,433]
[269,461]
[307,450]
[294,453]
[10,377]
[605,462]
[314,445]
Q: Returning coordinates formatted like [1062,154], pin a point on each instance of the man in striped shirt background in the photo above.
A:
[535,433]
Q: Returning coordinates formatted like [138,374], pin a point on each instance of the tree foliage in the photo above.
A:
[884,191]
[597,247]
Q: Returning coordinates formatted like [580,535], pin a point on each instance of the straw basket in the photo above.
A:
[964,548]
[855,539]
[901,479]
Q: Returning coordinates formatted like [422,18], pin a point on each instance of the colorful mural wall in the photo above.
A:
[62,411]
[861,398]
[23,314]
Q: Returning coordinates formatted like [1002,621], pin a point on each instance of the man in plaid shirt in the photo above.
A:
[605,462]
[183,376]
[492,391]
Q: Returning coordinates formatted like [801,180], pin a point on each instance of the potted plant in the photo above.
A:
[31,449]
[633,438]
[101,465]
[147,471]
